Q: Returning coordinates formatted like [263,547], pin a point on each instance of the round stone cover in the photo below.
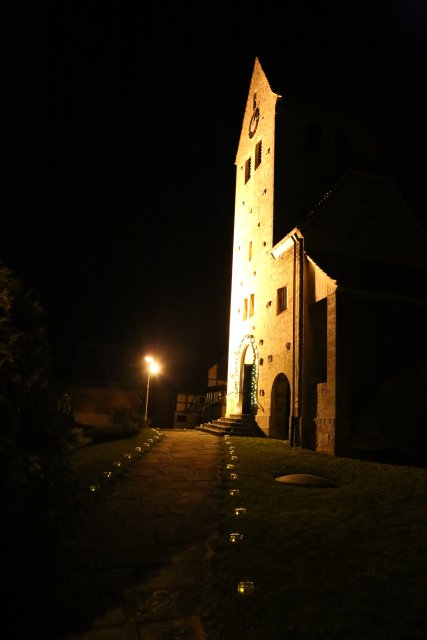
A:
[309,479]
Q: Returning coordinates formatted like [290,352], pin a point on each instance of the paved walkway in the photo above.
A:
[143,558]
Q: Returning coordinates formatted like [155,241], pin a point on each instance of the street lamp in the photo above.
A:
[153,367]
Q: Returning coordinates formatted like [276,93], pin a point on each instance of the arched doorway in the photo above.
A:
[280,408]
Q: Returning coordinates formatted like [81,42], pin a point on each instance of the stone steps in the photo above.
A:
[235,425]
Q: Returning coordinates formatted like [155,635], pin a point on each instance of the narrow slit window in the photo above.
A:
[245,308]
[282,299]
[247,170]
[250,249]
[254,105]
[252,304]
[258,154]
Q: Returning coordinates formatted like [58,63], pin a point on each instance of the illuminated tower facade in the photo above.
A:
[328,282]
[264,326]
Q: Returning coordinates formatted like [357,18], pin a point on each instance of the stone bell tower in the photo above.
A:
[253,240]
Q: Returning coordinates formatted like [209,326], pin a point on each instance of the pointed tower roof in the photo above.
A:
[259,90]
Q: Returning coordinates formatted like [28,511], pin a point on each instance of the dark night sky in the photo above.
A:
[120,131]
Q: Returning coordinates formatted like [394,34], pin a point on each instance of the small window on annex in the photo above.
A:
[258,154]
[282,299]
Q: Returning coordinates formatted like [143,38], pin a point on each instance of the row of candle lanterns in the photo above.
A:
[119,466]
[244,587]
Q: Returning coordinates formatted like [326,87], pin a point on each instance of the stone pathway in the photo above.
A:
[143,555]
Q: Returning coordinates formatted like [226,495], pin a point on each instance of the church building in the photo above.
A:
[326,341]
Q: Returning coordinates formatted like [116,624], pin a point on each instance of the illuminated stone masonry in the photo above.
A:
[316,282]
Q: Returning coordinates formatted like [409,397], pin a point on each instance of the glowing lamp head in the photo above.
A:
[153,367]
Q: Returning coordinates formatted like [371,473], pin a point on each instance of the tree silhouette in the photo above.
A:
[36,474]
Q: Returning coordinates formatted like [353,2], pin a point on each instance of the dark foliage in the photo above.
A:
[36,474]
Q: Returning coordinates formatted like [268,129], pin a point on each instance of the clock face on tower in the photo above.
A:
[254,122]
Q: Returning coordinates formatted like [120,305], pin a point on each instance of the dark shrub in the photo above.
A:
[36,477]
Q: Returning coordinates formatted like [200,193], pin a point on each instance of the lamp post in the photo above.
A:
[153,367]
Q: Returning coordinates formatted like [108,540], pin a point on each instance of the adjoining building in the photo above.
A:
[109,388]
[195,407]
[327,344]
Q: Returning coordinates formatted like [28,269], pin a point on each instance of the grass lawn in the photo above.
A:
[347,562]
[95,459]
